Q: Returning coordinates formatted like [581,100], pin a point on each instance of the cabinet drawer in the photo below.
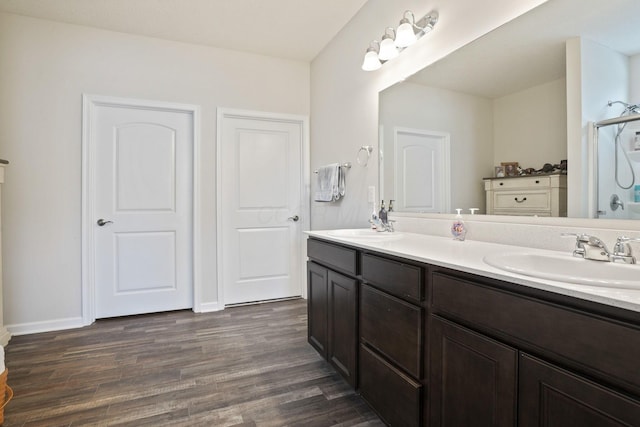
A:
[529,182]
[604,348]
[522,200]
[395,397]
[393,327]
[399,279]
[338,257]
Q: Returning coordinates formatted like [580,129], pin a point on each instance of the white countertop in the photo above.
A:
[468,256]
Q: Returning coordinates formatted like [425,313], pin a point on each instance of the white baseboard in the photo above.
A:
[45,326]
[208,307]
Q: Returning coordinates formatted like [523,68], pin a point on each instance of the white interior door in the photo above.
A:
[143,206]
[259,205]
[422,171]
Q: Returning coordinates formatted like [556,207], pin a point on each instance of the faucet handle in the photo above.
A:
[622,245]
[625,239]
[622,249]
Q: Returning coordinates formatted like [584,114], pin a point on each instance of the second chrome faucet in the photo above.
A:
[593,248]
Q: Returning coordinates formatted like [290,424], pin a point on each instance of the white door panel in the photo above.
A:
[145,182]
[145,261]
[143,175]
[260,187]
[422,171]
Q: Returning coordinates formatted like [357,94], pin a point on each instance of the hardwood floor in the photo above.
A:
[244,366]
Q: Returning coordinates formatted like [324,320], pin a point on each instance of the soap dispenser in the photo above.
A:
[458,229]
[383,213]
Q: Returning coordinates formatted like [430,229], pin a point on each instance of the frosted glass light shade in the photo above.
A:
[371,61]
[388,49]
[405,35]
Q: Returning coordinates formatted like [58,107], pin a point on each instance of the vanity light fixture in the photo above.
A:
[388,49]
[406,36]
[409,31]
[371,60]
[395,41]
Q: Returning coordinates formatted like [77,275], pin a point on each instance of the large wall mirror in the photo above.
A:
[524,93]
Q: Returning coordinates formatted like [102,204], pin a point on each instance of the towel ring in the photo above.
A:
[368,149]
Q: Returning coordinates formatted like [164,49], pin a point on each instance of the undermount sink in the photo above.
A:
[365,234]
[568,269]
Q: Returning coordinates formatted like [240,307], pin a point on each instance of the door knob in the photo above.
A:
[101,222]
[294,218]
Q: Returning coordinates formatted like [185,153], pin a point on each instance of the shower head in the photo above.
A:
[628,108]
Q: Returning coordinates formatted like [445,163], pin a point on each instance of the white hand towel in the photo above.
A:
[328,183]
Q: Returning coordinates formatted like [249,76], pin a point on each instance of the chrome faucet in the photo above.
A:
[622,250]
[380,225]
[590,247]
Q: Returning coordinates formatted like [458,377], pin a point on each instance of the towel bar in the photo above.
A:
[344,165]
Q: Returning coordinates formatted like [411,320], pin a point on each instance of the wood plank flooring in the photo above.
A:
[244,366]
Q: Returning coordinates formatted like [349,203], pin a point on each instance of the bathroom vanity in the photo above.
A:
[429,334]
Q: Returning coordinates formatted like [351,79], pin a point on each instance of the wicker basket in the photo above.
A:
[6,392]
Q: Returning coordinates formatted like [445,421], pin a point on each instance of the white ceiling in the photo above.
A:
[530,50]
[293,29]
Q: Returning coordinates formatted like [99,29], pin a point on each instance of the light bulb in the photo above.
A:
[388,49]
[405,35]
[371,61]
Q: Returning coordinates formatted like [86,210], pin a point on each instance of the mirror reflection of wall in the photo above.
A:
[523,93]
[466,118]
[528,127]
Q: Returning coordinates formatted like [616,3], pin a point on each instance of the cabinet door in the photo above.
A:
[550,396]
[343,325]
[472,378]
[317,307]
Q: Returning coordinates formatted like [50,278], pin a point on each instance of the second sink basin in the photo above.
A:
[568,269]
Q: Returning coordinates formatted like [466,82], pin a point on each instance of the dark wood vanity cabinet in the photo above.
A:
[504,359]
[332,307]
[433,346]
[392,339]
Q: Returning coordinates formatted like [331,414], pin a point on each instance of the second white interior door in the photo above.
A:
[260,170]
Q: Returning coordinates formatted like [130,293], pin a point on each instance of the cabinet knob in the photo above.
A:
[519,201]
